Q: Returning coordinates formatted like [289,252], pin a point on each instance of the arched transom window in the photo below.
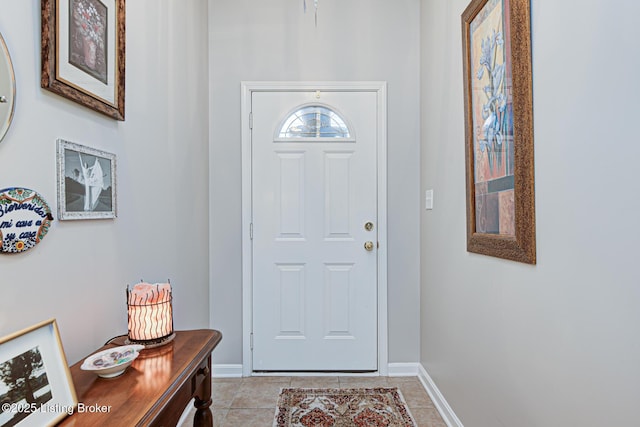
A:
[314,121]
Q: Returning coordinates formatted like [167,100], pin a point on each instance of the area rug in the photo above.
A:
[342,407]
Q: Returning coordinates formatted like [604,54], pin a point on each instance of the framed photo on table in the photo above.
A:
[36,387]
[496,41]
[83,52]
[86,182]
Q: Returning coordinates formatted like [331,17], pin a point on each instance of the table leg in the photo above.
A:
[202,401]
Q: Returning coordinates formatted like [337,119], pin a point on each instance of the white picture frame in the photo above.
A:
[86,182]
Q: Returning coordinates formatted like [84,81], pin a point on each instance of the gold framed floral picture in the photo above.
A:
[83,52]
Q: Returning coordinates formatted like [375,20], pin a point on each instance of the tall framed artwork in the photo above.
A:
[83,52]
[496,42]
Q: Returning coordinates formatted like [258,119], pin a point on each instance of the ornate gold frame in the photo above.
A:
[520,243]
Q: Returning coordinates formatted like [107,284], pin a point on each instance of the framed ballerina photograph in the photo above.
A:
[86,182]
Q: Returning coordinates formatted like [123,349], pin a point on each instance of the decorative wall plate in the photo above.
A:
[25,218]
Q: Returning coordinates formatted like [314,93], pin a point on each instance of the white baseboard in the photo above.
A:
[226,371]
[394,370]
[438,399]
[403,369]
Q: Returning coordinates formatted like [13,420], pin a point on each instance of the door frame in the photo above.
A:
[247,90]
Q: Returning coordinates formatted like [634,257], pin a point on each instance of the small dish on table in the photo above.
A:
[113,361]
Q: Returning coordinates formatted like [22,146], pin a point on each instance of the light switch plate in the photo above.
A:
[428,199]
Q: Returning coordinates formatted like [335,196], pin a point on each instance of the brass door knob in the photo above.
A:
[368,246]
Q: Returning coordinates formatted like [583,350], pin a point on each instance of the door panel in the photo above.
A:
[337,171]
[290,195]
[314,284]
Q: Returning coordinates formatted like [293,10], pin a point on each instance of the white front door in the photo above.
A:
[314,229]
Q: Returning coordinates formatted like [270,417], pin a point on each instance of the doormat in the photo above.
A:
[342,407]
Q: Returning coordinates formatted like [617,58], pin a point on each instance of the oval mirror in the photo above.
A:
[7,89]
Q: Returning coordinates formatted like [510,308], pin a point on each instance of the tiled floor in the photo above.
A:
[251,402]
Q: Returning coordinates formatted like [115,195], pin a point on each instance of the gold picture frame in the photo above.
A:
[83,53]
[496,43]
[36,387]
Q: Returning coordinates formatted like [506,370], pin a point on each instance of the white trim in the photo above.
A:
[226,371]
[247,254]
[403,369]
[186,414]
[383,308]
[247,88]
[316,374]
[438,399]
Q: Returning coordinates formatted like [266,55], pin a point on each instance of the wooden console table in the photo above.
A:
[154,390]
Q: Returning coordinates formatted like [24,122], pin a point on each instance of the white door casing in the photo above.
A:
[313,297]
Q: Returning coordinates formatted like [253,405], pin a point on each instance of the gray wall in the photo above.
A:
[556,344]
[79,272]
[354,40]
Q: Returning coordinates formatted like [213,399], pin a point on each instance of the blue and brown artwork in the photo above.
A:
[492,110]
[25,218]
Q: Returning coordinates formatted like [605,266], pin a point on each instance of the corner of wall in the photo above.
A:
[438,399]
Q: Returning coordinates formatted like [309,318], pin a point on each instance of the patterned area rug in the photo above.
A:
[338,407]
